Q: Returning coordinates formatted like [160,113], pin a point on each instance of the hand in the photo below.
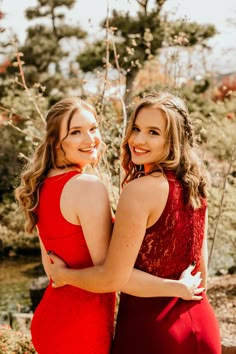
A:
[191,282]
[55,268]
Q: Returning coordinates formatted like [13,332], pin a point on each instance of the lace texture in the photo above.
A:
[175,240]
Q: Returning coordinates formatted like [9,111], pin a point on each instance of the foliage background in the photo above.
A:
[120,67]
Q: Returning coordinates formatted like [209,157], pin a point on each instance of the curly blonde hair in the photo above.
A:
[45,157]
[179,153]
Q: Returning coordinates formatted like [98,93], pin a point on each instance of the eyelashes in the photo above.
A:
[77,131]
[151,131]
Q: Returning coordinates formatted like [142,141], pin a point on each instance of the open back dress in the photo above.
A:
[68,320]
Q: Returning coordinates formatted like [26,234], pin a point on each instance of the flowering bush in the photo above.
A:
[14,342]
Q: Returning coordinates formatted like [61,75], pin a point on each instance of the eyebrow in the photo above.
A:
[149,128]
[80,127]
[75,127]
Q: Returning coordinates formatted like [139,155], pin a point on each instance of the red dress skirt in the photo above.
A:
[165,326]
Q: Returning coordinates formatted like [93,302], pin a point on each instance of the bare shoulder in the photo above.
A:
[86,184]
[141,187]
[86,179]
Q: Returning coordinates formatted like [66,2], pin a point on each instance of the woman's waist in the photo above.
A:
[155,305]
[69,291]
[73,251]
[168,270]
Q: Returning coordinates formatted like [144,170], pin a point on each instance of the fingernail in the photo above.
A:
[49,252]
[193,263]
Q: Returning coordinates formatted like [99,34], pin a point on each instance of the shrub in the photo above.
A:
[12,235]
[14,342]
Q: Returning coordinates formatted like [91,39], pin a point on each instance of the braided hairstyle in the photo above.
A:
[179,150]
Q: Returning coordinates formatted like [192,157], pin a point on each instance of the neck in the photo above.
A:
[58,170]
[66,166]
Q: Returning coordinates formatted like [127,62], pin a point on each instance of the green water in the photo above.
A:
[16,276]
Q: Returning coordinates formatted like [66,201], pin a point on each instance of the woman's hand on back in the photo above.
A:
[191,282]
[55,269]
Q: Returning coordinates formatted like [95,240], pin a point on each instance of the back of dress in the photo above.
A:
[68,319]
[168,325]
[57,234]
[175,240]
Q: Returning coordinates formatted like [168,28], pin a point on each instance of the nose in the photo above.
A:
[89,137]
[139,138]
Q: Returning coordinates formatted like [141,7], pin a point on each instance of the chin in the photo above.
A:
[91,161]
[138,161]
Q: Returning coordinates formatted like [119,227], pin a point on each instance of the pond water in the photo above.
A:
[16,275]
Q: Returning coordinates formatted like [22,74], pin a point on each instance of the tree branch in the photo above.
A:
[143,4]
[19,62]
[107,64]
[221,205]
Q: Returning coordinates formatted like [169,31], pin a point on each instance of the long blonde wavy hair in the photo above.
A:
[179,153]
[45,157]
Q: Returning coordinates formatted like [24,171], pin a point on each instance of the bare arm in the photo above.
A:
[93,210]
[142,284]
[204,255]
[125,243]
[117,270]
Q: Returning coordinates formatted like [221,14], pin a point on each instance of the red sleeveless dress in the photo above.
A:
[165,325]
[69,320]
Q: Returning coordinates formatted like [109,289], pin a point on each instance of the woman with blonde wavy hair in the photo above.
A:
[160,228]
[72,214]
[58,199]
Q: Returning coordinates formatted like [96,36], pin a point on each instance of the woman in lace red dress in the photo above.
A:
[72,213]
[160,228]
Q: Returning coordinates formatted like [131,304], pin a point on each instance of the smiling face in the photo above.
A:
[148,137]
[80,142]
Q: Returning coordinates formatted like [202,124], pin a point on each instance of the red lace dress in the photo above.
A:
[69,320]
[165,325]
